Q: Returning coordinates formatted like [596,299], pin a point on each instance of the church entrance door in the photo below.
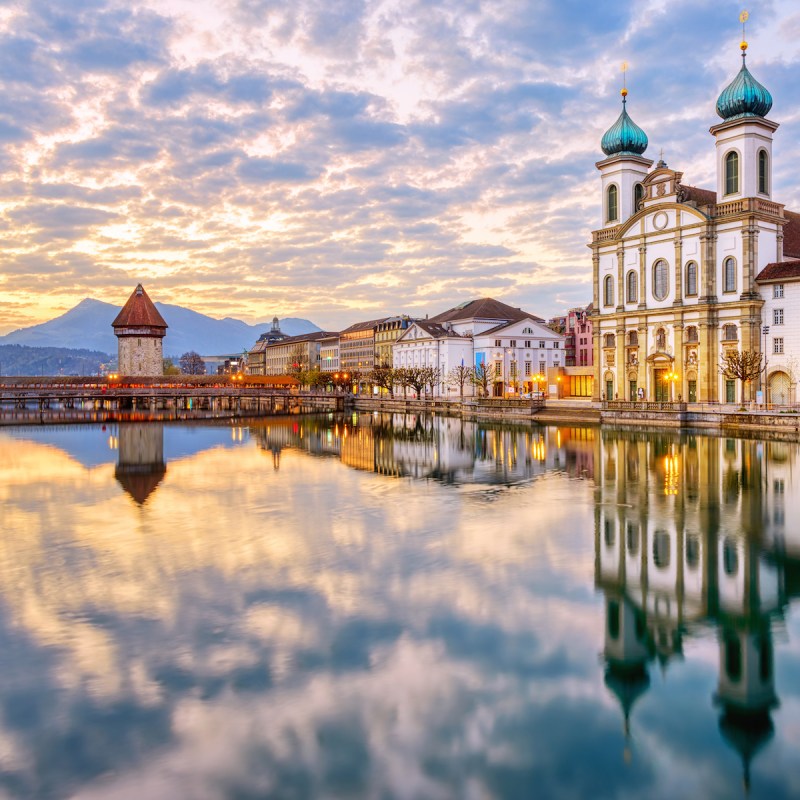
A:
[661,387]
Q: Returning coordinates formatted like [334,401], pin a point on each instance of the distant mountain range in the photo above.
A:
[88,327]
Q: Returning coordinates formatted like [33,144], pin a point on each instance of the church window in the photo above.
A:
[729,333]
[691,278]
[661,340]
[638,196]
[660,279]
[633,338]
[609,340]
[633,289]
[691,334]
[608,291]
[732,173]
[612,204]
[729,275]
[763,166]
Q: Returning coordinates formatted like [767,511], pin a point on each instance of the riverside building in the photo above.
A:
[681,274]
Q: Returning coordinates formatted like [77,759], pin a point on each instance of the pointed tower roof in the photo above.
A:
[624,137]
[139,311]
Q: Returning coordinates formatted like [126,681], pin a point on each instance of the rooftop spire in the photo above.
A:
[624,137]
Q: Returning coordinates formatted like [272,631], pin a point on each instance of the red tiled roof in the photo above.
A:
[139,311]
[791,235]
[364,326]
[779,271]
[484,308]
[703,197]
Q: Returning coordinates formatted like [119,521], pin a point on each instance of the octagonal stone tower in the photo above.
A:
[140,329]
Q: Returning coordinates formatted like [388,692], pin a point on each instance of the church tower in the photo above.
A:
[140,329]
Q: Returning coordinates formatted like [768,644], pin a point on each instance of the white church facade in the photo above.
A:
[682,274]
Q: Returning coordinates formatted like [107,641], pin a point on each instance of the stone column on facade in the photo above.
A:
[620,278]
[779,245]
[619,357]
[678,271]
[641,369]
[749,259]
[708,267]
[642,275]
[677,364]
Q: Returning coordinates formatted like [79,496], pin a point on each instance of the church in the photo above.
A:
[683,274]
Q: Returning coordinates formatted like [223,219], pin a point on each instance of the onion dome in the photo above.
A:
[624,137]
[744,96]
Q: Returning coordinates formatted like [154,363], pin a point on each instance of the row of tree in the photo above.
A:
[420,380]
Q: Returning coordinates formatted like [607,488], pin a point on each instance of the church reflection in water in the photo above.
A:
[140,461]
[690,539]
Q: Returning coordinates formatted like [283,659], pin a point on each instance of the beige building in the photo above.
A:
[287,355]
[357,347]
[386,334]
[140,331]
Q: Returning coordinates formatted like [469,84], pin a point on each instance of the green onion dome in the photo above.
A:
[624,137]
[744,96]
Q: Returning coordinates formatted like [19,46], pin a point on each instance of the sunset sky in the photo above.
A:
[341,160]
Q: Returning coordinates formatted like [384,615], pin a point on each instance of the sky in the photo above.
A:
[343,160]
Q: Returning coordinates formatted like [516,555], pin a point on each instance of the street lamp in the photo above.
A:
[671,378]
[537,379]
[765,332]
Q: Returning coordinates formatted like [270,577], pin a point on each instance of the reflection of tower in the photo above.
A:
[140,467]
[626,654]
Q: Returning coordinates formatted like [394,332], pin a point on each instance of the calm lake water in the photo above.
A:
[392,607]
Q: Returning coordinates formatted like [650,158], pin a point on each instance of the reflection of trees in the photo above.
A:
[682,565]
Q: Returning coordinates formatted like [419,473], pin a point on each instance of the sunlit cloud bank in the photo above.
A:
[336,160]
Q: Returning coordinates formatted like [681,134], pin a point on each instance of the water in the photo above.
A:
[386,607]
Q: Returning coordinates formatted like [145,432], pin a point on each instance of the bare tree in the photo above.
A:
[192,364]
[459,376]
[742,365]
[415,379]
[481,378]
[430,378]
[383,378]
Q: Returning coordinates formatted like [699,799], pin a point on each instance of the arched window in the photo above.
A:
[608,291]
[660,279]
[612,204]
[633,338]
[763,172]
[732,173]
[638,196]
[691,334]
[729,275]
[633,287]
[691,279]
[729,333]
[609,340]
[661,340]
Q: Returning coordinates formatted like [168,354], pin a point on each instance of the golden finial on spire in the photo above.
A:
[624,90]
[743,17]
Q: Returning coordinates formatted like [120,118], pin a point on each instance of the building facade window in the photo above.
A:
[541,345]
[608,291]
[638,196]
[763,172]
[729,333]
[608,340]
[527,343]
[661,340]
[633,338]
[729,275]
[527,367]
[612,203]
[660,279]
[777,345]
[691,279]
[691,334]
[633,287]
[556,345]
[498,342]
[732,173]
[777,291]
[777,316]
